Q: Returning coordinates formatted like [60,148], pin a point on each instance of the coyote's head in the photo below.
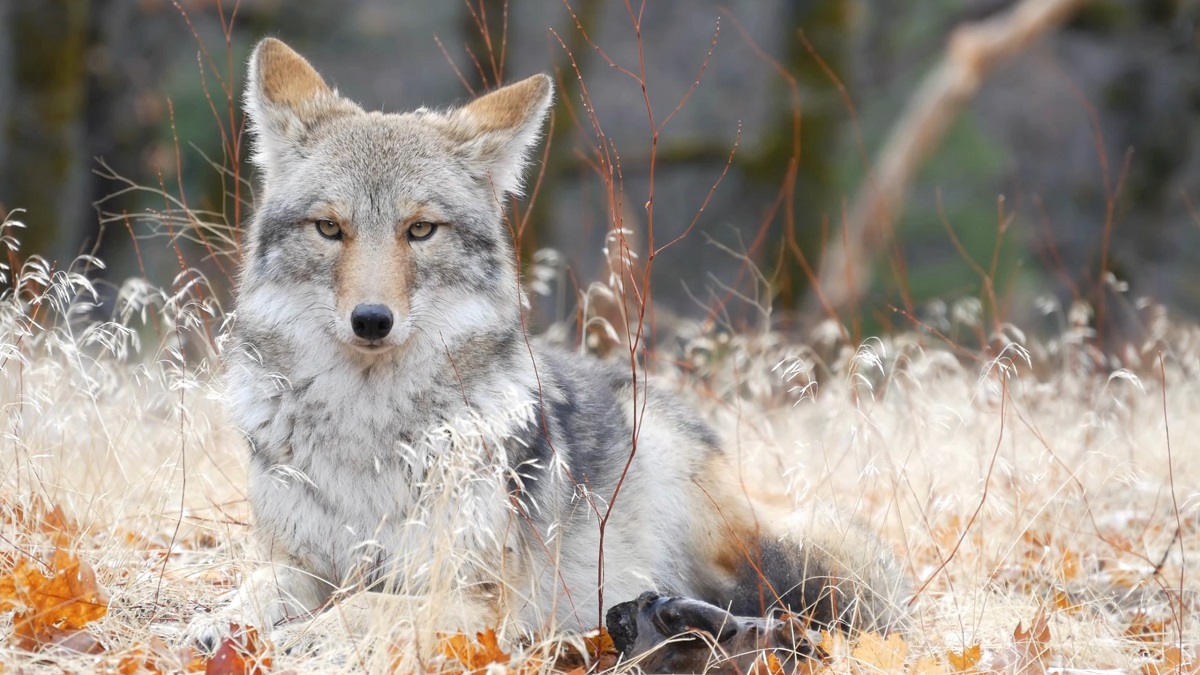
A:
[379,231]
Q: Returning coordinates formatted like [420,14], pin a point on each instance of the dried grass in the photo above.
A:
[1028,478]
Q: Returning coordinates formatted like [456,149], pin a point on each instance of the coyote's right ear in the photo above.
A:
[285,100]
[497,130]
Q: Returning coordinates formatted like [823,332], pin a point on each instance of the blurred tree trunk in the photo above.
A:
[44,169]
[561,130]
[823,116]
[972,51]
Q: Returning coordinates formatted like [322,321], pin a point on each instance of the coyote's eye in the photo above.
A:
[421,230]
[329,229]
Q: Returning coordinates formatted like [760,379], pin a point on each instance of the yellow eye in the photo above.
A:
[329,229]
[421,230]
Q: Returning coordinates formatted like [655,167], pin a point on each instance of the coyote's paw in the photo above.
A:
[683,635]
[269,597]
[310,638]
[213,634]
[207,631]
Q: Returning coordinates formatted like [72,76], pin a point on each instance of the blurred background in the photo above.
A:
[886,132]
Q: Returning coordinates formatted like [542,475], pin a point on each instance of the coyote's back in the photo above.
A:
[406,435]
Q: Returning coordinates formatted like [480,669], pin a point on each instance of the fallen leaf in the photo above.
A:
[240,654]
[1173,660]
[1027,653]
[886,655]
[832,645]
[966,661]
[601,649]
[601,654]
[774,667]
[928,665]
[193,661]
[474,655]
[1033,645]
[46,607]
[35,515]
[77,642]
[155,657]
[137,662]
[1146,628]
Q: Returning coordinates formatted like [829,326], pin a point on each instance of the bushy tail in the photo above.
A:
[839,576]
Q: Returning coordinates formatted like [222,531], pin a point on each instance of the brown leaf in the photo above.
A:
[601,649]
[1146,628]
[928,665]
[46,607]
[239,654]
[137,662]
[1028,651]
[832,645]
[966,661]
[598,645]
[1033,645]
[156,657]
[766,664]
[883,655]
[474,655]
[78,641]
[192,660]
[35,515]
[1173,660]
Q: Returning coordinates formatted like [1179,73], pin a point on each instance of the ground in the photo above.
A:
[1041,493]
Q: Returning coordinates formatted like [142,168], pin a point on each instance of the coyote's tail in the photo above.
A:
[838,575]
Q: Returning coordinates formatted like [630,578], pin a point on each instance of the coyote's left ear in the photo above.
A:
[286,100]
[497,130]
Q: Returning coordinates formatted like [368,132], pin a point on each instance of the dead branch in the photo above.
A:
[972,51]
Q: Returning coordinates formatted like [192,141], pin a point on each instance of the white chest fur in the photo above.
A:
[364,477]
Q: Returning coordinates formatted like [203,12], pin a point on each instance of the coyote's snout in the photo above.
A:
[372,285]
[439,451]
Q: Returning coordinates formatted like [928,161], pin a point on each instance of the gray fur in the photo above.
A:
[365,465]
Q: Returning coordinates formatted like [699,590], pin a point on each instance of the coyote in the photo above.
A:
[407,440]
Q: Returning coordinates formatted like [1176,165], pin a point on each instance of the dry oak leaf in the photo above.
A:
[46,607]
[474,655]
[880,654]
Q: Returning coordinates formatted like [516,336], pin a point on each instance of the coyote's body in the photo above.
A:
[405,434]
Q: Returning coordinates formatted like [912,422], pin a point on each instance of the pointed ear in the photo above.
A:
[285,100]
[498,129]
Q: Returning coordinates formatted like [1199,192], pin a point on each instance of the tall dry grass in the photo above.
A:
[1041,477]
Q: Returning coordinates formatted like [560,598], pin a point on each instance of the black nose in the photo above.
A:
[371,322]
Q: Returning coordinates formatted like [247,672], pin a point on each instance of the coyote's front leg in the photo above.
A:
[372,613]
[272,594]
